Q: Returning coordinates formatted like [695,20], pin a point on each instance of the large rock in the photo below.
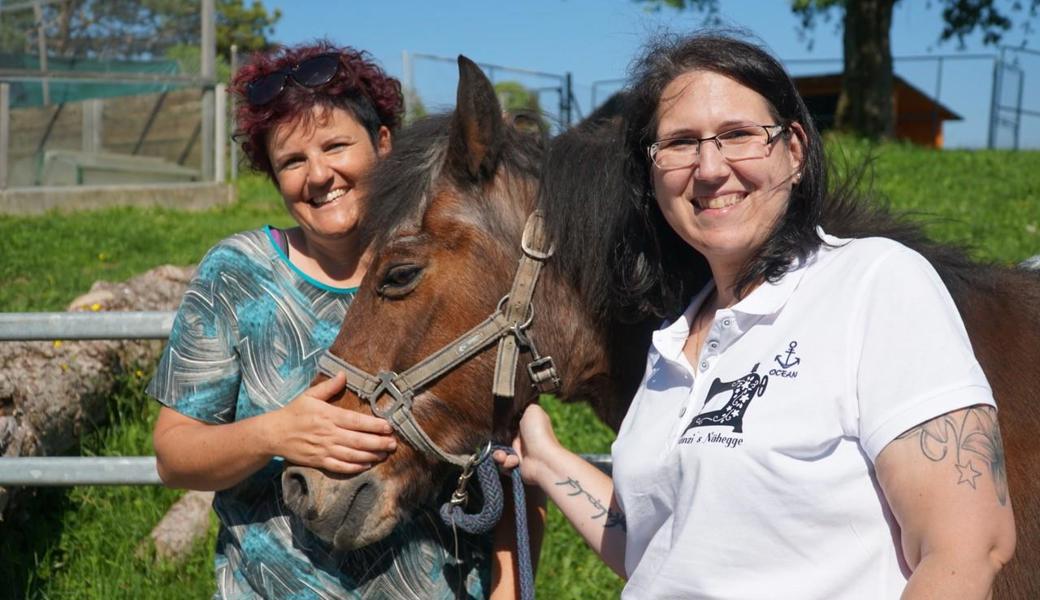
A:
[52,392]
[181,528]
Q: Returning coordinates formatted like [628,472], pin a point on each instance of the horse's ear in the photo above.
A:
[477,127]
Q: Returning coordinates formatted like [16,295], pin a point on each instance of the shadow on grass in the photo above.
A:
[30,539]
[85,542]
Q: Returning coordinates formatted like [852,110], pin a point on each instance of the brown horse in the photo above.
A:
[445,218]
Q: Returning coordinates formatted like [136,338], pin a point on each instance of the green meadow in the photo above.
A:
[84,542]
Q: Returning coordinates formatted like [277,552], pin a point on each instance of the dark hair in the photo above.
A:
[359,87]
[659,270]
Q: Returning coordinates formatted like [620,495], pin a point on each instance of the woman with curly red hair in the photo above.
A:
[262,307]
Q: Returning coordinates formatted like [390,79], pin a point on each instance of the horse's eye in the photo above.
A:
[399,280]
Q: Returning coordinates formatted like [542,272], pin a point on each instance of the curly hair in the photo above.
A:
[360,87]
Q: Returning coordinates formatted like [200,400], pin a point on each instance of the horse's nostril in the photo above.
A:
[295,485]
[296,491]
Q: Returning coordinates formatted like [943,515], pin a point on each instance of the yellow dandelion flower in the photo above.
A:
[95,306]
[57,343]
[139,373]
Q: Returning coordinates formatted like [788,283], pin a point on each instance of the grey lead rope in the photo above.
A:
[491,513]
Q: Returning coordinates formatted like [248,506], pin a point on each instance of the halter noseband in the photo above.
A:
[507,325]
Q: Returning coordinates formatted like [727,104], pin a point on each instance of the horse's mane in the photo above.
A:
[588,203]
[404,181]
[400,183]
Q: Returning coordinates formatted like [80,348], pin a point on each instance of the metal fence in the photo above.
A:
[123,470]
[72,116]
[996,96]
[430,80]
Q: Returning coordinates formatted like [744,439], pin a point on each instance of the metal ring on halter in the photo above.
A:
[481,455]
[530,312]
[459,496]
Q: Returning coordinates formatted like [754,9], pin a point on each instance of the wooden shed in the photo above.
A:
[919,117]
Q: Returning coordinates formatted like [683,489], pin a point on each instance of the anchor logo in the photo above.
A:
[787,363]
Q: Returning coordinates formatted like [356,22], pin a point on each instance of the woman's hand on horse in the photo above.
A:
[311,432]
[534,445]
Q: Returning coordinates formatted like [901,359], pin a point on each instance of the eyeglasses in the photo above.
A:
[750,141]
[311,73]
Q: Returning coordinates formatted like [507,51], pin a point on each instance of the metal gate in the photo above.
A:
[1009,91]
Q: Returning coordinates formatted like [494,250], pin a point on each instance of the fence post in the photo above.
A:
[1018,103]
[936,123]
[5,131]
[92,117]
[209,75]
[565,99]
[234,145]
[994,113]
[220,130]
[41,48]
[409,85]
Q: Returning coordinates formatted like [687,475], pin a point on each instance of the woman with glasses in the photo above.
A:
[812,422]
[262,307]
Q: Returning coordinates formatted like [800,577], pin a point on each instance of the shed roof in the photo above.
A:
[831,83]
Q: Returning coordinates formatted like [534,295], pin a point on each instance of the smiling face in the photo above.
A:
[320,162]
[724,209]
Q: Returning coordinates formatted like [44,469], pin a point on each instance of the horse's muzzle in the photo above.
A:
[343,512]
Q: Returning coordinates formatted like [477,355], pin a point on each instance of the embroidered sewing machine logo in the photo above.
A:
[742,391]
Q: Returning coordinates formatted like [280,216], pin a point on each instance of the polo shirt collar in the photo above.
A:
[766,299]
[769,298]
[670,339]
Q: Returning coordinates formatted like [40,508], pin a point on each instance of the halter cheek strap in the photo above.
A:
[507,325]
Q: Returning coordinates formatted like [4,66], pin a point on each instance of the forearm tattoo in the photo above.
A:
[971,438]
[614,518]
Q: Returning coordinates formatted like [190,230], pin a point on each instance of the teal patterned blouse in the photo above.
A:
[245,341]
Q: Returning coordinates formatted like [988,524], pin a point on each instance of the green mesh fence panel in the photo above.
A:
[26,94]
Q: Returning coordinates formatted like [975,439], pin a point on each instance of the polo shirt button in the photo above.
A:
[704,365]
[726,323]
[713,344]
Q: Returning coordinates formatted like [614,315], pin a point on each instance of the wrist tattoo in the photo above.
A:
[971,438]
[613,518]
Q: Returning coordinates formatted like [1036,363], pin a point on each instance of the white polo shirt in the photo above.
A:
[751,474]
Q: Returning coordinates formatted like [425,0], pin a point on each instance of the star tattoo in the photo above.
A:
[968,474]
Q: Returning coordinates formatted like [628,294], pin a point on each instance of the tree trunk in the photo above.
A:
[53,392]
[865,106]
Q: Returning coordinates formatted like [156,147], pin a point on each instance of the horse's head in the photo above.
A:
[443,220]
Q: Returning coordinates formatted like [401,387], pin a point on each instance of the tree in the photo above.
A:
[135,29]
[415,108]
[523,105]
[865,102]
[246,27]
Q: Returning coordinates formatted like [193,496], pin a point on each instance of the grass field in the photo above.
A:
[82,542]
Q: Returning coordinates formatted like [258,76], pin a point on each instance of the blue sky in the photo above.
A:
[596,40]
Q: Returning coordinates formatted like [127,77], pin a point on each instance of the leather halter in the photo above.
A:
[507,325]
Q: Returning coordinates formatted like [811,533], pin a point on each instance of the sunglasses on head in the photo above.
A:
[311,73]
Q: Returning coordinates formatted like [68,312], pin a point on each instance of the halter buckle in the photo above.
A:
[531,230]
[542,372]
